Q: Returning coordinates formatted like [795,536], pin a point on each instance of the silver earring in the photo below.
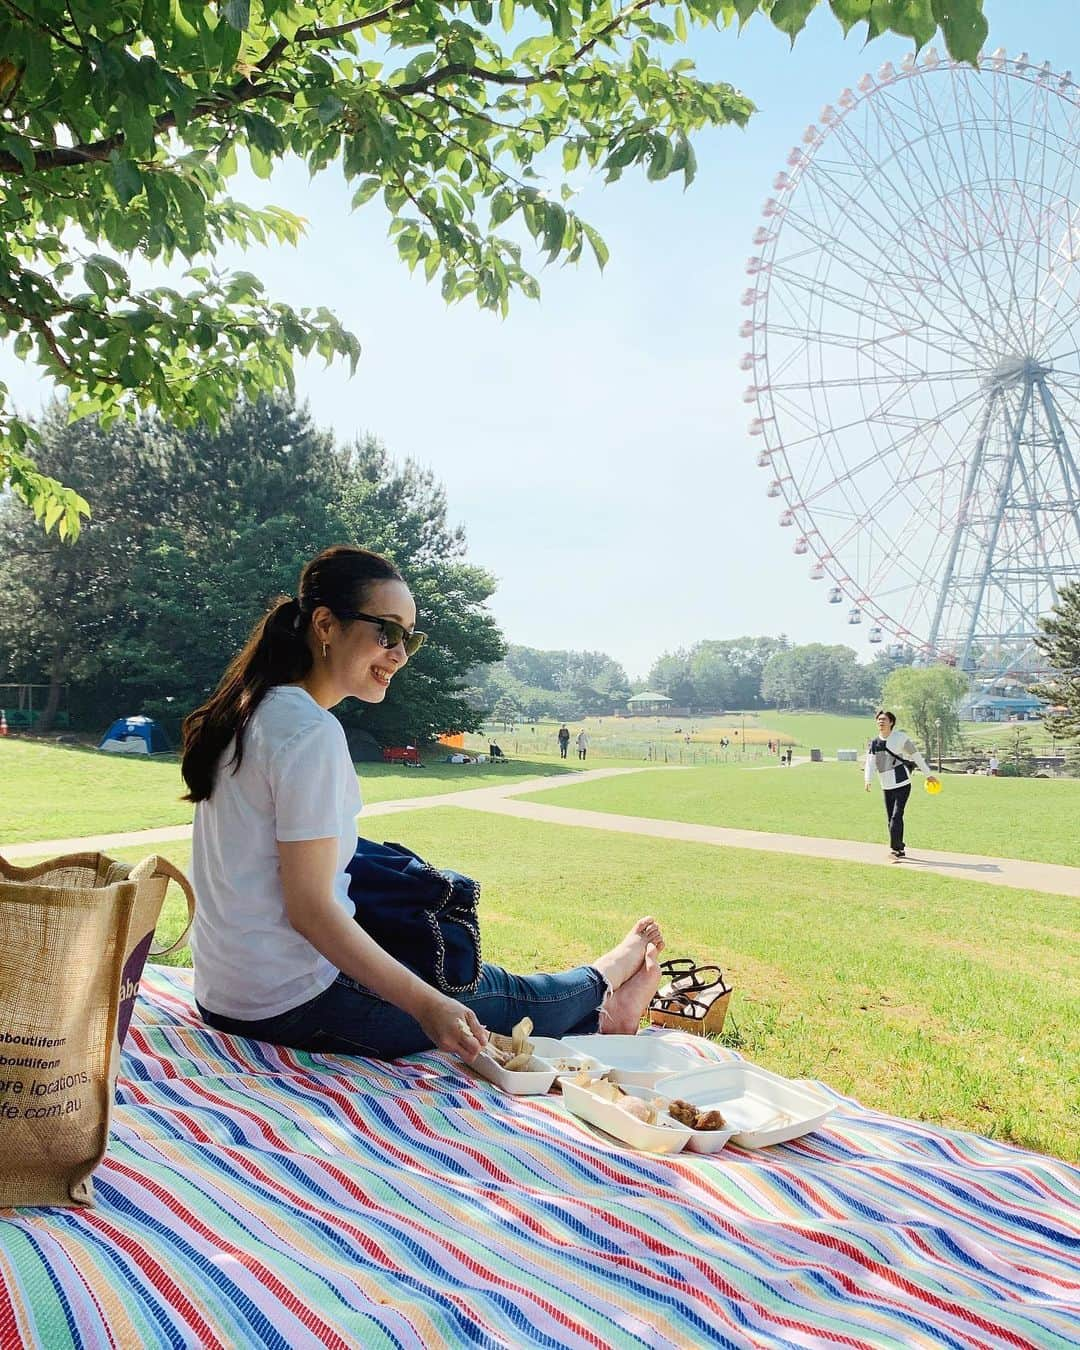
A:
[324,651]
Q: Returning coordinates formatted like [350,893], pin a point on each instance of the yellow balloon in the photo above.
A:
[933,786]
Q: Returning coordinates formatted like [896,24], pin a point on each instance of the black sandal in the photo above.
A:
[679,966]
[681,1005]
[696,979]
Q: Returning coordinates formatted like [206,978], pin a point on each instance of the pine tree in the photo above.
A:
[1060,644]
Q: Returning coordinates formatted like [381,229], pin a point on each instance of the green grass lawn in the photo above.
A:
[631,739]
[63,792]
[1006,817]
[942,1000]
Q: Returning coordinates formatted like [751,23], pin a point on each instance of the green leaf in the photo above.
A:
[366,191]
[963,26]
[126,178]
[914,19]
[181,22]
[261,165]
[660,159]
[20,150]
[554,227]
[330,109]
[599,248]
[110,267]
[506,14]
[263,134]
[790,16]
[502,207]
[96,280]
[237,13]
[690,167]
[227,161]
[850,12]
[680,24]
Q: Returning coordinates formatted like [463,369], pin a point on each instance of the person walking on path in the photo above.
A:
[994,764]
[582,744]
[893,755]
[564,740]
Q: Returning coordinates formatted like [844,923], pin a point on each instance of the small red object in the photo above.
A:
[401,754]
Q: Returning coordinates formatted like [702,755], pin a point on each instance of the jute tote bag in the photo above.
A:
[75,933]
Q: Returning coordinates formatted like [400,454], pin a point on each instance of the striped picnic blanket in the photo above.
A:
[254,1196]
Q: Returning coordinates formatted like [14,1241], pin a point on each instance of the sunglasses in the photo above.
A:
[391,633]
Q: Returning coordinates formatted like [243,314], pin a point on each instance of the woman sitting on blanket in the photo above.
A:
[277,953]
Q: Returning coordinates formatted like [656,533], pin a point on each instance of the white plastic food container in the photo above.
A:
[529,1082]
[762,1107]
[642,1061]
[699,1141]
[669,1137]
[565,1060]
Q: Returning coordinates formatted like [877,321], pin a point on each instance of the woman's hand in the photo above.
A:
[451,1026]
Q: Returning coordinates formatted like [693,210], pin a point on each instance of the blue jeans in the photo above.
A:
[348,1019]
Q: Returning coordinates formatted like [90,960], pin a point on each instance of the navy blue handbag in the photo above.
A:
[424,916]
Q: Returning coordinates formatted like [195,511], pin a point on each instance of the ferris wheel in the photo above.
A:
[914,327]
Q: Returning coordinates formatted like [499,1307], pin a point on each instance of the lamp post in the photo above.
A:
[744,735]
[938,724]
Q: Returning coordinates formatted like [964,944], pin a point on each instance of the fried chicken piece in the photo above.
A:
[687,1114]
[683,1112]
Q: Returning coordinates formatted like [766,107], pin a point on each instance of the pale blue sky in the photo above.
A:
[594,444]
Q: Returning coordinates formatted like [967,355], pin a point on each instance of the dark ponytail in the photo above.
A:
[277,652]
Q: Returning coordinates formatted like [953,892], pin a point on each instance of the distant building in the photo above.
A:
[1005,708]
[654,705]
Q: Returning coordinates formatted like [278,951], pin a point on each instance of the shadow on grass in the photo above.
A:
[88,748]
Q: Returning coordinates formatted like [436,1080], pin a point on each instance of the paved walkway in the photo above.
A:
[1013,872]
[172,834]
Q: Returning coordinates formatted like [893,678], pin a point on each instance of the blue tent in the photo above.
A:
[135,735]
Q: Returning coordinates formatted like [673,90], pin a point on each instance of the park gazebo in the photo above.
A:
[651,702]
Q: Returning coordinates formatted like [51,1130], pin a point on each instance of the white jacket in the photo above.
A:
[879,758]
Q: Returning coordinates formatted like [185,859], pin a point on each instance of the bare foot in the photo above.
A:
[619,964]
[622,1012]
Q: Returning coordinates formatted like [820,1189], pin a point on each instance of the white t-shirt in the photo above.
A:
[296,782]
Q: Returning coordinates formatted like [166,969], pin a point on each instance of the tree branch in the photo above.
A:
[314,34]
[457,68]
[246,90]
[39,326]
[69,156]
[31,22]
